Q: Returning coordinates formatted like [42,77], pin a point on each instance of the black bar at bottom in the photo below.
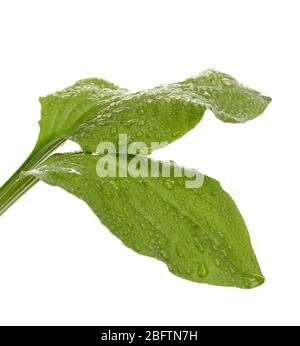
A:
[134,335]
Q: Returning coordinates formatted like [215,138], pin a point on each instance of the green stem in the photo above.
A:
[18,184]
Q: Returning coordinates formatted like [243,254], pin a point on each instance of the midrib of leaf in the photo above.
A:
[193,220]
[209,238]
[180,211]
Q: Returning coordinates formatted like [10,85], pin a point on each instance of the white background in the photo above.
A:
[58,264]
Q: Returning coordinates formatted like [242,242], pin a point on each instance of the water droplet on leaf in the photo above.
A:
[202,270]
[113,130]
[252,280]
[217,262]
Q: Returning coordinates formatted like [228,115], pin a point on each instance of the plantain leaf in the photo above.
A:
[65,110]
[198,232]
[229,100]
[167,112]
[61,113]
[94,110]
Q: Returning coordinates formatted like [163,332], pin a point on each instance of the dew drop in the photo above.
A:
[163,254]
[169,184]
[217,262]
[252,280]
[202,270]
[188,270]
[179,251]
[171,267]
[227,81]
[214,246]
[136,247]
[179,269]
[113,130]
[224,253]
[126,232]
[198,245]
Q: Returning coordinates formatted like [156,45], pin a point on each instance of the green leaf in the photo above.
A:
[65,110]
[61,113]
[229,100]
[167,112]
[198,232]
[94,110]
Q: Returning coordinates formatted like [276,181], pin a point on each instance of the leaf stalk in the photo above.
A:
[18,183]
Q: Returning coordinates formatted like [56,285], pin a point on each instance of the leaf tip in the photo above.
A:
[253,280]
[267,99]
